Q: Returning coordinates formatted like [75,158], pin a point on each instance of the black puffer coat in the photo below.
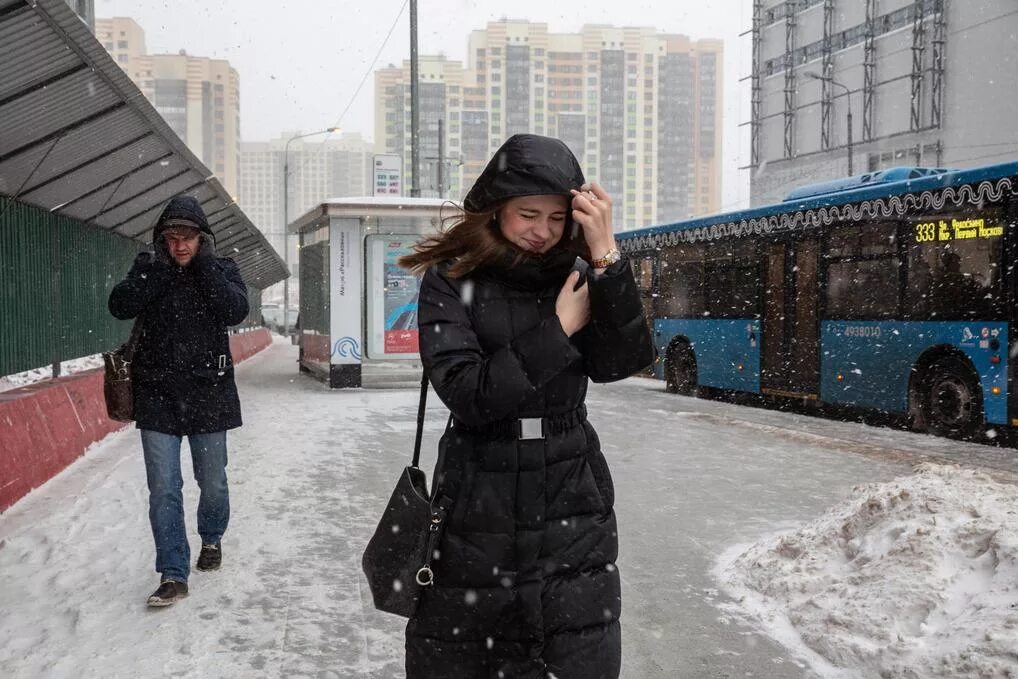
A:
[526,582]
[183,371]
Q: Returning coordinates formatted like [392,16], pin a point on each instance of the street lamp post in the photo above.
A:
[415,113]
[286,218]
[848,93]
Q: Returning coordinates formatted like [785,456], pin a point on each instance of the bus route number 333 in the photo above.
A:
[925,232]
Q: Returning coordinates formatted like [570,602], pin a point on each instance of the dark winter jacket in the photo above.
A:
[526,581]
[183,371]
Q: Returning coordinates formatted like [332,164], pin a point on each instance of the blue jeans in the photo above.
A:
[166,500]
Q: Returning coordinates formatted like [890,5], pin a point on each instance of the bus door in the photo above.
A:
[789,357]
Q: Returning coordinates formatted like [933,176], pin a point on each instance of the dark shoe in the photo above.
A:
[211,558]
[169,592]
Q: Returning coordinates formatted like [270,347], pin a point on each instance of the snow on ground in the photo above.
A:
[8,382]
[76,555]
[310,472]
[913,578]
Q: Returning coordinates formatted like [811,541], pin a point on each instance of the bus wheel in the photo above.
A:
[951,399]
[680,371]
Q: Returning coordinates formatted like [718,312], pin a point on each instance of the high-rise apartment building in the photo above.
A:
[198,97]
[123,38]
[319,170]
[441,98]
[927,83]
[641,110]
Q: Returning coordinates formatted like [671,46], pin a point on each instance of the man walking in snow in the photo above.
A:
[185,298]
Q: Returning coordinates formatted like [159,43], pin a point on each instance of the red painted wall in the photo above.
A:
[47,425]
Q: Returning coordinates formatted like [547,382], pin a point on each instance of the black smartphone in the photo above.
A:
[580,265]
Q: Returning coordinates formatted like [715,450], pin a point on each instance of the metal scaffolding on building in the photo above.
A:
[790,86]
[937,66]
[918,51]
[869,70]
[756,93]
[827,70]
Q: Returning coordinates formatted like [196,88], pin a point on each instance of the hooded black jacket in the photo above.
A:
[183,369]
[526,582]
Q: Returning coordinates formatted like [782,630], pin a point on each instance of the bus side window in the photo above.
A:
[680,291]
[952,278]
[863,280]
[643,272]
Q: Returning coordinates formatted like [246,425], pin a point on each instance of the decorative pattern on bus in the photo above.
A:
[894,206]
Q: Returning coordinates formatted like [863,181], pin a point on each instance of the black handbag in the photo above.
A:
[398,558]
[118,389]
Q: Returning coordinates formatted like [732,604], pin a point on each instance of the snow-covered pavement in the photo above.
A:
[311,470]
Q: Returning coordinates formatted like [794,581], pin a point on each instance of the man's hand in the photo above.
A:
[207,249]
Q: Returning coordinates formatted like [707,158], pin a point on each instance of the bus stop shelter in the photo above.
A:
[358,309]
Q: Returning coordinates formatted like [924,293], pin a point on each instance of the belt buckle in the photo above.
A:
[530,428]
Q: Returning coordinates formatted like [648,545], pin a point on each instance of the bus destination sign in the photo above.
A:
[956,229]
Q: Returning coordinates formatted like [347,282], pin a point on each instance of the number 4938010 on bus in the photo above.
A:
[892,291]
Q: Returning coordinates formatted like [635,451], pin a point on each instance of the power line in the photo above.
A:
[367,72]
[374,61]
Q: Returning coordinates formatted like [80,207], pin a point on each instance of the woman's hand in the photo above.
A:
[573,306]
[592,210]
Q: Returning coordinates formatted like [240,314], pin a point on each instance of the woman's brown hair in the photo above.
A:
[474,241]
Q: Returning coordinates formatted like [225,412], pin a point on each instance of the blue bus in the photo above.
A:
[892,291]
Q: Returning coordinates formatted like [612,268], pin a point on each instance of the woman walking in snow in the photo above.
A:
[525,583]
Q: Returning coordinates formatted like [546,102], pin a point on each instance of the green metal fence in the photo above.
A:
[56,274]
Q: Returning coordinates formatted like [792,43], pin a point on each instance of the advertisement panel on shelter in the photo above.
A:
[392,298]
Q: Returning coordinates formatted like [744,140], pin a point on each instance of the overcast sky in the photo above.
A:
[300,61]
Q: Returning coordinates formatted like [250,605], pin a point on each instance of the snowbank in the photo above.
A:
[76,365]
[914,578]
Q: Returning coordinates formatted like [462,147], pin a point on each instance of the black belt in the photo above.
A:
[525,428]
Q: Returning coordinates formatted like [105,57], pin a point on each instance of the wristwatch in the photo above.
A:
[609,258]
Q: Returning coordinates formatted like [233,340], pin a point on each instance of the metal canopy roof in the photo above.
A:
[78,138]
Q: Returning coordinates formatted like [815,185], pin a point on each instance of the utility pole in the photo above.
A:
[415,114]
[441,158]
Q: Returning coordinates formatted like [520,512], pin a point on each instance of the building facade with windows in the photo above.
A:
[199,97]
[443,96]
[123,38]
[928,83]
[640,109]
[320,168]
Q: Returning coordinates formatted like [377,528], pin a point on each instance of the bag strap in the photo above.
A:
[442,502]
[420,419]
[132,342]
